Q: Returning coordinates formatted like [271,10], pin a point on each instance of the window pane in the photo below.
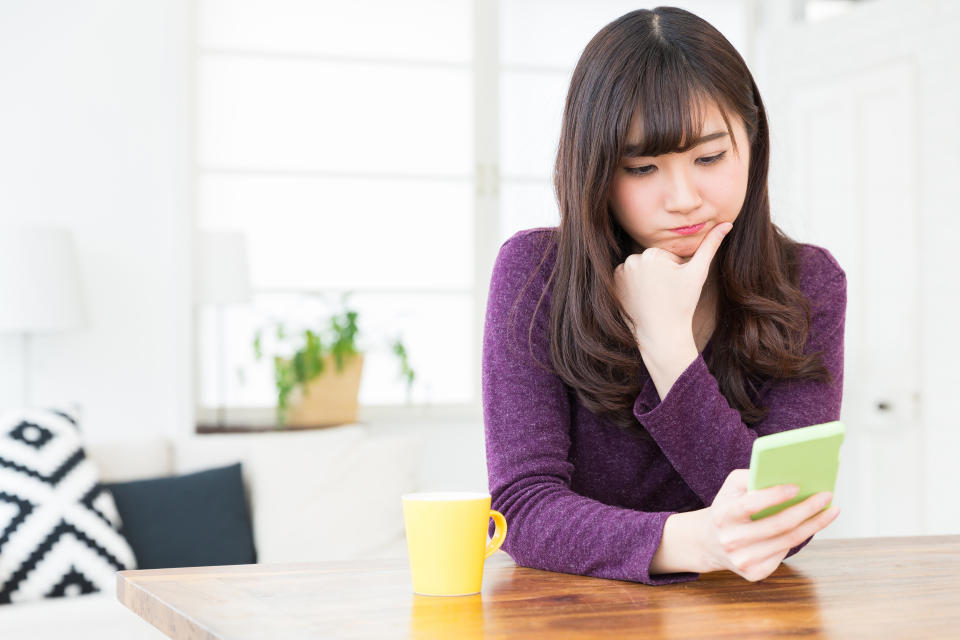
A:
[438,333]
[436,330]
[531,111]
[312,115]
[421,29]
[526,205]
[316,233]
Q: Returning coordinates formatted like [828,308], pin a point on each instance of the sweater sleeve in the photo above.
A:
[527,427]
[704,438]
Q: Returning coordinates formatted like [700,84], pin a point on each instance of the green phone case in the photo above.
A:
[807,457]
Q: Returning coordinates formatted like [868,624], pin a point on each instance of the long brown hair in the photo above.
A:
[661,65]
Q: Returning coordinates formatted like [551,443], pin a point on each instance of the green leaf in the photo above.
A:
[257,345]
[338,338]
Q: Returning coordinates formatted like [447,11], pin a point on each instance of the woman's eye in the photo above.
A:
[713,159]
[648,168]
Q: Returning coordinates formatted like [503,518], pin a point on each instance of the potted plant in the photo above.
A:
[319,383]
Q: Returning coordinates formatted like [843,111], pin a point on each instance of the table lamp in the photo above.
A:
[222,278]
[39,286]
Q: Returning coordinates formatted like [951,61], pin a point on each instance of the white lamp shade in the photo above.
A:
[222,273]
[39,281]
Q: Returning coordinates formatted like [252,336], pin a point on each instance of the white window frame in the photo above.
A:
[486,70]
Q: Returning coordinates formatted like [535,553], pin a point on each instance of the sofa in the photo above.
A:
[296,483]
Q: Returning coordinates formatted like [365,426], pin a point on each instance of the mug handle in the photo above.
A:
[499,533]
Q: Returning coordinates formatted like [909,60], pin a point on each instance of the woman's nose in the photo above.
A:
[682,193]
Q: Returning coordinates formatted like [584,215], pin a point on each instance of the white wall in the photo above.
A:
[96,131]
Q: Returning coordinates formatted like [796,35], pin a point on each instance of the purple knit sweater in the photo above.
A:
[583,496]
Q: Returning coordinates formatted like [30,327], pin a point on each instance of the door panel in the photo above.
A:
[845,165]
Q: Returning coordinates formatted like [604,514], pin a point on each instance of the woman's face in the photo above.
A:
[653,195]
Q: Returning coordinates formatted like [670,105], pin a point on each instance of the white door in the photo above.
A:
[857,166]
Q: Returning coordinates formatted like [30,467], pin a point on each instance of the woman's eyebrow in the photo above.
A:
[636,150]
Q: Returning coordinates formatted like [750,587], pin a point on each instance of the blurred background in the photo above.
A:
[384,150]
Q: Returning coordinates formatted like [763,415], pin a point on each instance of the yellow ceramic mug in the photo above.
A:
[447,540]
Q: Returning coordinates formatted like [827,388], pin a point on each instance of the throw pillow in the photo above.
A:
[59,531]
[192,520]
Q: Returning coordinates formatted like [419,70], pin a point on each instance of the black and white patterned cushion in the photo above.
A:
[59,530]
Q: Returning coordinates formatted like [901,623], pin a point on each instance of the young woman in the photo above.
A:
[633,354]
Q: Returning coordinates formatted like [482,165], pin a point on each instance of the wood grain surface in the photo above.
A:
[844,588]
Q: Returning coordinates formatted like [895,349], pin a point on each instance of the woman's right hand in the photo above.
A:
[754,548]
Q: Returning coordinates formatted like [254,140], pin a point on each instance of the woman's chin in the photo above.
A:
[685,250]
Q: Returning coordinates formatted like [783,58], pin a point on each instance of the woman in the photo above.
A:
[628,362]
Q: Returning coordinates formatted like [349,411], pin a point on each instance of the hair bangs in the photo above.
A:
[670,109]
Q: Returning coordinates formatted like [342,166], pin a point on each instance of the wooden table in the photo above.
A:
[843,588]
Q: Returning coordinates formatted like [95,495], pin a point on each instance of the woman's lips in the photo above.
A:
[686,231]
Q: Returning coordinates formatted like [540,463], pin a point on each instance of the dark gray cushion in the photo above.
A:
[192,520]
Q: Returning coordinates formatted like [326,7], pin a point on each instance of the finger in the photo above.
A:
[791,517]
[708,248]
[747,536]
[656,253]
[754,568]
[756,501]
[735,483]
[672,257]
[789,539]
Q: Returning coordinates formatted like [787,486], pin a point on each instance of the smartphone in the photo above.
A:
[807,457]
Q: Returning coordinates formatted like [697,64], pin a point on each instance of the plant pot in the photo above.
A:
[329,399]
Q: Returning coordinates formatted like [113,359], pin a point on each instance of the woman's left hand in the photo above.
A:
[660,290]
